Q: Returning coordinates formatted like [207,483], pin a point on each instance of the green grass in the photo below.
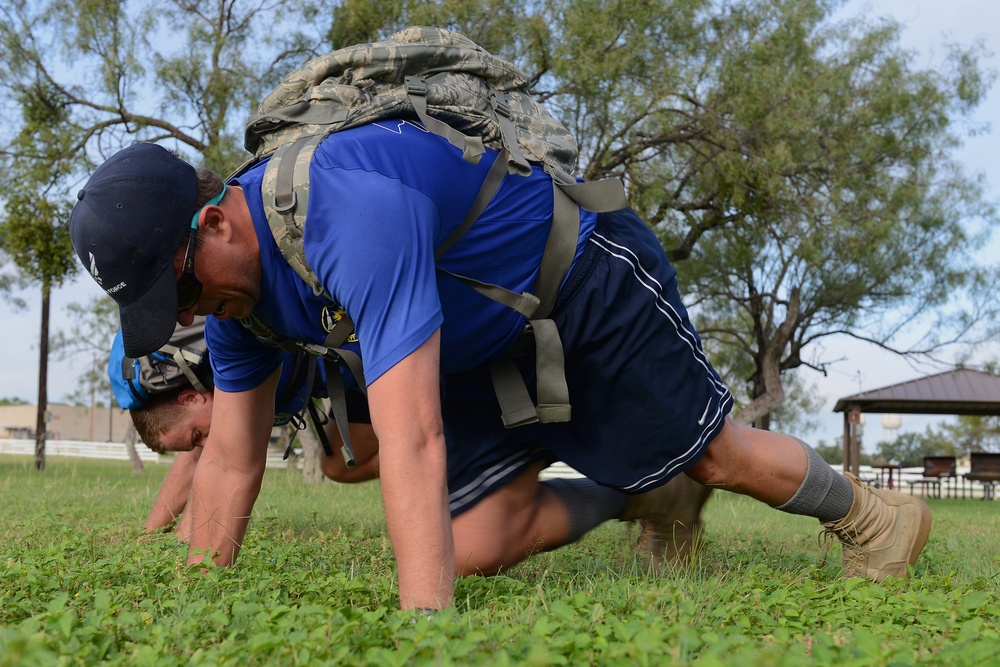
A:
[81,585]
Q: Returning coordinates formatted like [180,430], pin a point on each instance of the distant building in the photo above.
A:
[66,422]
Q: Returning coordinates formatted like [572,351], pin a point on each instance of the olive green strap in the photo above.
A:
[472,147]
[494,178]
[550,373]
[516,408]
[287,177]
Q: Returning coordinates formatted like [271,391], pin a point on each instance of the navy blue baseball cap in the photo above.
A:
[128,223]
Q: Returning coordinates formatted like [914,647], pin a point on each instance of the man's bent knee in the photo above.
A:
[499,531]
[723,460]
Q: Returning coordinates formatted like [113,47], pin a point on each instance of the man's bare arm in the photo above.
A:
[229,474]
[173,494]
[365,446]
[406,414]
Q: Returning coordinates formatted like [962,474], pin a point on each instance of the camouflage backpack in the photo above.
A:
[459,91]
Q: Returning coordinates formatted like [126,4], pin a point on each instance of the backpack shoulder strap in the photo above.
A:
[332,355]
[183,358]
[285,189]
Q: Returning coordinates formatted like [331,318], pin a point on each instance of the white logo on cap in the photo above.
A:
[93,270]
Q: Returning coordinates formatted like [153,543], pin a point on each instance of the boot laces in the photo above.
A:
[831,533]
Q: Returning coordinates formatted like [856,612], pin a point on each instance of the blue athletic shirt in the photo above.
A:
[382,197]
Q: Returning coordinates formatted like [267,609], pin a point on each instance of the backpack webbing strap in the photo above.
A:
[335,381]
[552,390]
[319,420]
[516,162]
[335,339]
[129,375]
[491,184]
[525,303]
[550,373]
[305,391]
[299,379]
[601,196]
[338,406]
[181,358]
[560,248]
[334,386]
[296,422]
[302,112]
[184,353]
[472,147]
[516,408]
[340,332]
[290,165]
[557,257]
[336,392]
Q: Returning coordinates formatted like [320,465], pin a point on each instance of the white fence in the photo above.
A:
[904,479]
[80,448]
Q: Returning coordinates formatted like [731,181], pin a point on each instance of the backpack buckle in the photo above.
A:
[285,208]
[500,105]
[415,86]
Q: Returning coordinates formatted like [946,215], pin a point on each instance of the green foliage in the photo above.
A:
[832,454]
[35,235]
[12,400]
[968,433]
[95,75]
[314,585]
[846,212]
[909,450]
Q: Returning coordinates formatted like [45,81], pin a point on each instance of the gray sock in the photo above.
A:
[589,504]
[824,494]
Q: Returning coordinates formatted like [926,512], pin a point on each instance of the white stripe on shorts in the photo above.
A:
[650,283]
[487,479]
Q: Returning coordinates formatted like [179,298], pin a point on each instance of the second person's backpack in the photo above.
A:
[182,362]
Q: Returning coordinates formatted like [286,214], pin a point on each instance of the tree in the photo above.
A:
[968,433]
[33,232]
[8,283]
[106,70]
[909,449]
[92,332]
[12,400]
[89,80]
[844,212]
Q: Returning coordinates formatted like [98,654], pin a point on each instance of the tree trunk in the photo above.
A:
[93,401]
[133,455]
[761,421]
[312,454]
[111,417]
[768,390]
[43,374]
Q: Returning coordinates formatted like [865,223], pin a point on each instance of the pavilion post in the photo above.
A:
[852,440]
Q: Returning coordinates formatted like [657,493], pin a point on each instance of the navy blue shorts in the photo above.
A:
[645,400]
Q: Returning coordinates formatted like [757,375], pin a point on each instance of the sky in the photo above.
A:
[926,26]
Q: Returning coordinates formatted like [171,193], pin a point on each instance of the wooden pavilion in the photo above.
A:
[958,392]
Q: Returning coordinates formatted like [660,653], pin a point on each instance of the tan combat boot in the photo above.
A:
[670,520]
[882,534]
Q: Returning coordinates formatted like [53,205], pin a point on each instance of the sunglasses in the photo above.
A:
[188,286]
